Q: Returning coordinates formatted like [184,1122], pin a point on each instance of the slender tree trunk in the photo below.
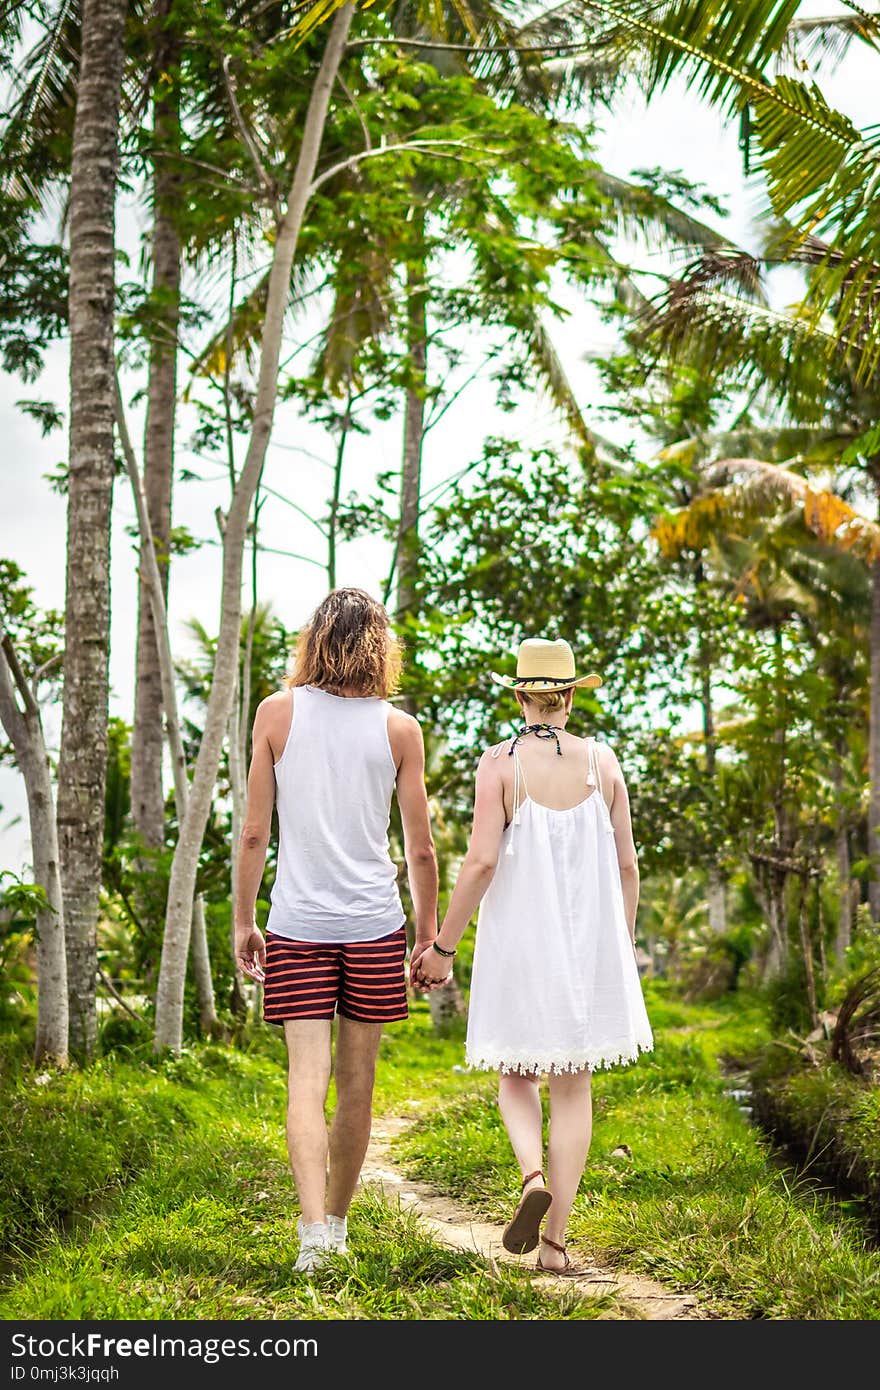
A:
[151,583]
[147,798]
[169,998]
[413,436]
[716,885]
[447,1002]
[874,748]
[239,716]
[83,760]
[844,870]
[807,948]
[24,728]
[238,787]
[333,524]
[777,959]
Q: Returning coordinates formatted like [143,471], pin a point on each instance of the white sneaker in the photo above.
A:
[338,1227]
[315,1246]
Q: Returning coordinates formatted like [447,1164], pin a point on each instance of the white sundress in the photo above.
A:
[555,985]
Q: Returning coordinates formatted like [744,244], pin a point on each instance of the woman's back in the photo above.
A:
[558,781]
[562,991]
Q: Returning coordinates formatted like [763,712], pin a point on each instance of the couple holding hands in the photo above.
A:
[551,865]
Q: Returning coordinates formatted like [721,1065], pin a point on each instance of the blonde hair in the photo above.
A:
[347,644]
[545,701]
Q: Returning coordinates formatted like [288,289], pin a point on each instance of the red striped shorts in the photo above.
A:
[362,980]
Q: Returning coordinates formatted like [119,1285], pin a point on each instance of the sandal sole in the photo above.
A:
[522,1233]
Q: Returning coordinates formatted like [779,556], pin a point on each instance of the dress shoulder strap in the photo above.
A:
[594,772]
[519,780]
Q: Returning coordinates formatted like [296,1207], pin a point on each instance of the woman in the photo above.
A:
[555,988]
[328,752]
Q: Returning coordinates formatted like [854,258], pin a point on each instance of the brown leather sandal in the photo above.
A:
[567,1271]
[522,1231]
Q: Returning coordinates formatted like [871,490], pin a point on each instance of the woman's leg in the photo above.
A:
[308,1051]
[519,1100]
[571,1128]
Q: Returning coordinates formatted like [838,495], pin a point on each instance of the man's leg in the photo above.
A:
[308,1051]
[355,1070]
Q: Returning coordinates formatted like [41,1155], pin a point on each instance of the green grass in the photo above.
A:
[164,1193]
[141,1191]
[700,1204]
[827,1118]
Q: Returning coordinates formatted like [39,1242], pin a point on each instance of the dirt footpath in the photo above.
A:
[450,1224]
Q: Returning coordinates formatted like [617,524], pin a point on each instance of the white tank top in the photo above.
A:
[333,783]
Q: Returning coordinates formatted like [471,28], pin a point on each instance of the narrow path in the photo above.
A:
[450,1224]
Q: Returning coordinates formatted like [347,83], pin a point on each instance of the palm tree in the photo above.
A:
[82,763]
[166,254]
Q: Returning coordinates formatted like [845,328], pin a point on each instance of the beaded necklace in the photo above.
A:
[540,731]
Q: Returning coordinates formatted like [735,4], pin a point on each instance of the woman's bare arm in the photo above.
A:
[627,857]
[477,870]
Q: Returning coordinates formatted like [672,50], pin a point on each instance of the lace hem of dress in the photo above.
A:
[615,1054]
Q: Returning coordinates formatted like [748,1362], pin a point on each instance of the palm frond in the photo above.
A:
[642,210]
[724,47]
[744,489]
[812,41]
[553,375]
[730,337]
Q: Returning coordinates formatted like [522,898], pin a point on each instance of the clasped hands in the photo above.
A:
[428,969]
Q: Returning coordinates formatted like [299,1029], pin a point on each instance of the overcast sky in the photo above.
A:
[676,133]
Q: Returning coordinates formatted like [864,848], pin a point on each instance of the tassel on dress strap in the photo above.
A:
[517,780]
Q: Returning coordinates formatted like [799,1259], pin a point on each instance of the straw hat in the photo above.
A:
[543,665]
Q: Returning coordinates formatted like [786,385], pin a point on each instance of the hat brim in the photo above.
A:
[541,687]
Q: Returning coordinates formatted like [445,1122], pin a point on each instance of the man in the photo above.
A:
[329,751]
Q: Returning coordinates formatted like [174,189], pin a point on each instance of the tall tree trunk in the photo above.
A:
[844,869]
[83,760]
[874,748]
[24,728]
[151,583]
[333,520]
[716,885]
[413,436]
[447,1002]
[807,948]
[147,740]
[777,959]
[237,742]
[175,946]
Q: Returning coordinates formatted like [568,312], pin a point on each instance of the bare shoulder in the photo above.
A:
[274,709]
[491,764]
[404,726]
[608,761]
[404,734]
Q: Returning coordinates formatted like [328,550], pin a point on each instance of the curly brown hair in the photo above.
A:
[347,644]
